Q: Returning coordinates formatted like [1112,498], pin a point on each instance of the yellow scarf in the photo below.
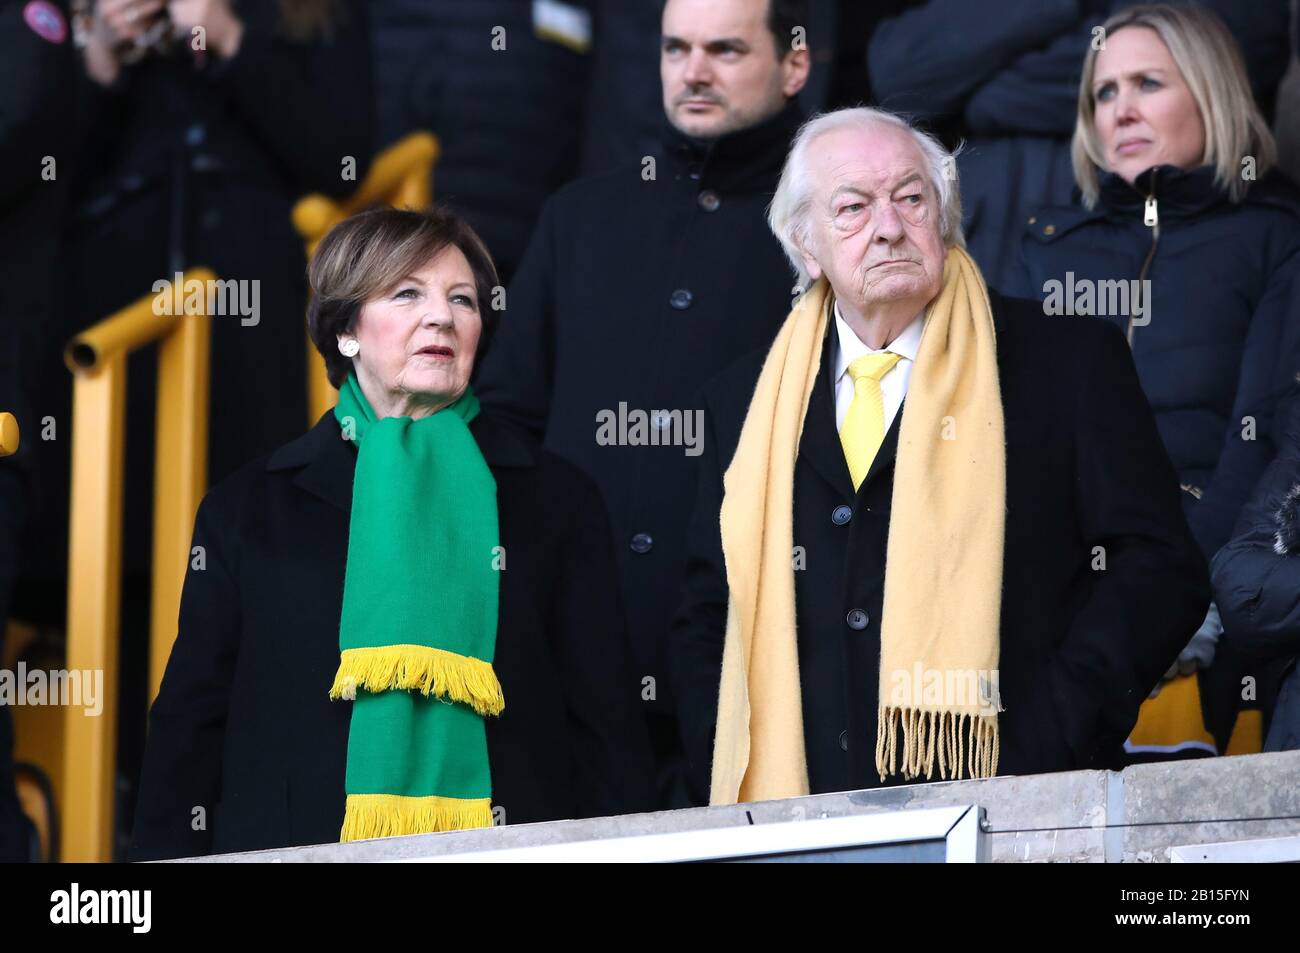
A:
[943,587]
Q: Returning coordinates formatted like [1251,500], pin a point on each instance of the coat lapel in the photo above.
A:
[327,462]
[820,442]
[888,452]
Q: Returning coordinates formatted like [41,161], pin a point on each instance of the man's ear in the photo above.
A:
[810,263]
[795,66]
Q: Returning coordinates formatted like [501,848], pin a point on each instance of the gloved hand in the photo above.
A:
[1199,652]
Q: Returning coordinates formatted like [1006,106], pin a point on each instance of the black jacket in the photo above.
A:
[1220,342]
[636,292]
[1081,647]
[194,161]
[1004,78]
[243,725]
[1258,589]
[38,66]
[509,120]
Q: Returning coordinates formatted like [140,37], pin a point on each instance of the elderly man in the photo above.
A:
[642,283]
[937,536]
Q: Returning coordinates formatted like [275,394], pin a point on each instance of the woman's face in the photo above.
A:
[418,339]
[1144,113]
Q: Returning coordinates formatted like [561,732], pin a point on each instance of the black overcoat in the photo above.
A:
[1081,646]
[243,725]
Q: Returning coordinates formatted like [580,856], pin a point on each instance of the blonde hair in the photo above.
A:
[787,216]
[1211,65]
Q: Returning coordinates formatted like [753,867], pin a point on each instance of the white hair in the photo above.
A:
[788,215]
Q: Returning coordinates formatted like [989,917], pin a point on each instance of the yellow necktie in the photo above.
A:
[863,430]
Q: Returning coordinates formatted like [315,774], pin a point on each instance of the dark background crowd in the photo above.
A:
[166,158]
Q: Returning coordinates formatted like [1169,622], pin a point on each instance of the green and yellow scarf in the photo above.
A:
[419,624]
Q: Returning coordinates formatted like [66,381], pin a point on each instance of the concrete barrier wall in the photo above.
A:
[1135,815]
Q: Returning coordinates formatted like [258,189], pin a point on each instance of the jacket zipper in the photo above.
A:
[1151,219]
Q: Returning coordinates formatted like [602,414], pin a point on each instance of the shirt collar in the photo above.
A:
[906,345]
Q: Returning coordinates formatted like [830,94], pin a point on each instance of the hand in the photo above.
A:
[118,21]
[116,25]
[224,30]
[1199,652]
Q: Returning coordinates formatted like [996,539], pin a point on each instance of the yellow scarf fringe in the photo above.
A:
[931,735]
[392,815]
[428,670]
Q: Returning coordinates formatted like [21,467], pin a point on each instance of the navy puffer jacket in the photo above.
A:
[1216,343]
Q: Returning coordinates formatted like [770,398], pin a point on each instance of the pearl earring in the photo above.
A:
[349,347]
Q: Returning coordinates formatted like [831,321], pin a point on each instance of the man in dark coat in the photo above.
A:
[642,283]
[244,727]
[1101,582]
[37,96]
[1004,77]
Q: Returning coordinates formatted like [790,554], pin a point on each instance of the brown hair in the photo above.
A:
[366,255]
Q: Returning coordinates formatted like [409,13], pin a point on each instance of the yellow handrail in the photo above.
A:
[400,176]
[8,439]
[97,358]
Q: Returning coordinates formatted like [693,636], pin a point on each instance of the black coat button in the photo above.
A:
[857,619]
[841,515]
[844,741]
[681,299]
[642,543]
[709,200]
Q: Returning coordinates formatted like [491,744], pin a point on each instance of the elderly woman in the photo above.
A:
[1187,242]
[405,620]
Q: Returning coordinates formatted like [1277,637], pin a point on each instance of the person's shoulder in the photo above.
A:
[1055,224]
[736,381]
[1022,322]
[228,496]
[1276,195]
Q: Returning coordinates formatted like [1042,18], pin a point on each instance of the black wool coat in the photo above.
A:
[635,291]
[243,725]
[1080,647]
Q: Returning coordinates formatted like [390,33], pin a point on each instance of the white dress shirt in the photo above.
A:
[893,385]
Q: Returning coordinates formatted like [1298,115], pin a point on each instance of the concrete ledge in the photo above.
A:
[1137,815]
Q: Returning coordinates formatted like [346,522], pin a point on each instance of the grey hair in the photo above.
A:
[788,215]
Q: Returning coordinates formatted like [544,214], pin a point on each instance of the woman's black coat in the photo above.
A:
[243,727]
[1258,589]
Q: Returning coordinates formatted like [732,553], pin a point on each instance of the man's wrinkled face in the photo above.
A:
[873,226]
[719,69]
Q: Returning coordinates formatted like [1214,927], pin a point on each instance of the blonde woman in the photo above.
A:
[1187,240]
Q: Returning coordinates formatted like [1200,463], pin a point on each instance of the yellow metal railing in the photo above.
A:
[97,358]
[400,176]
[8,440]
